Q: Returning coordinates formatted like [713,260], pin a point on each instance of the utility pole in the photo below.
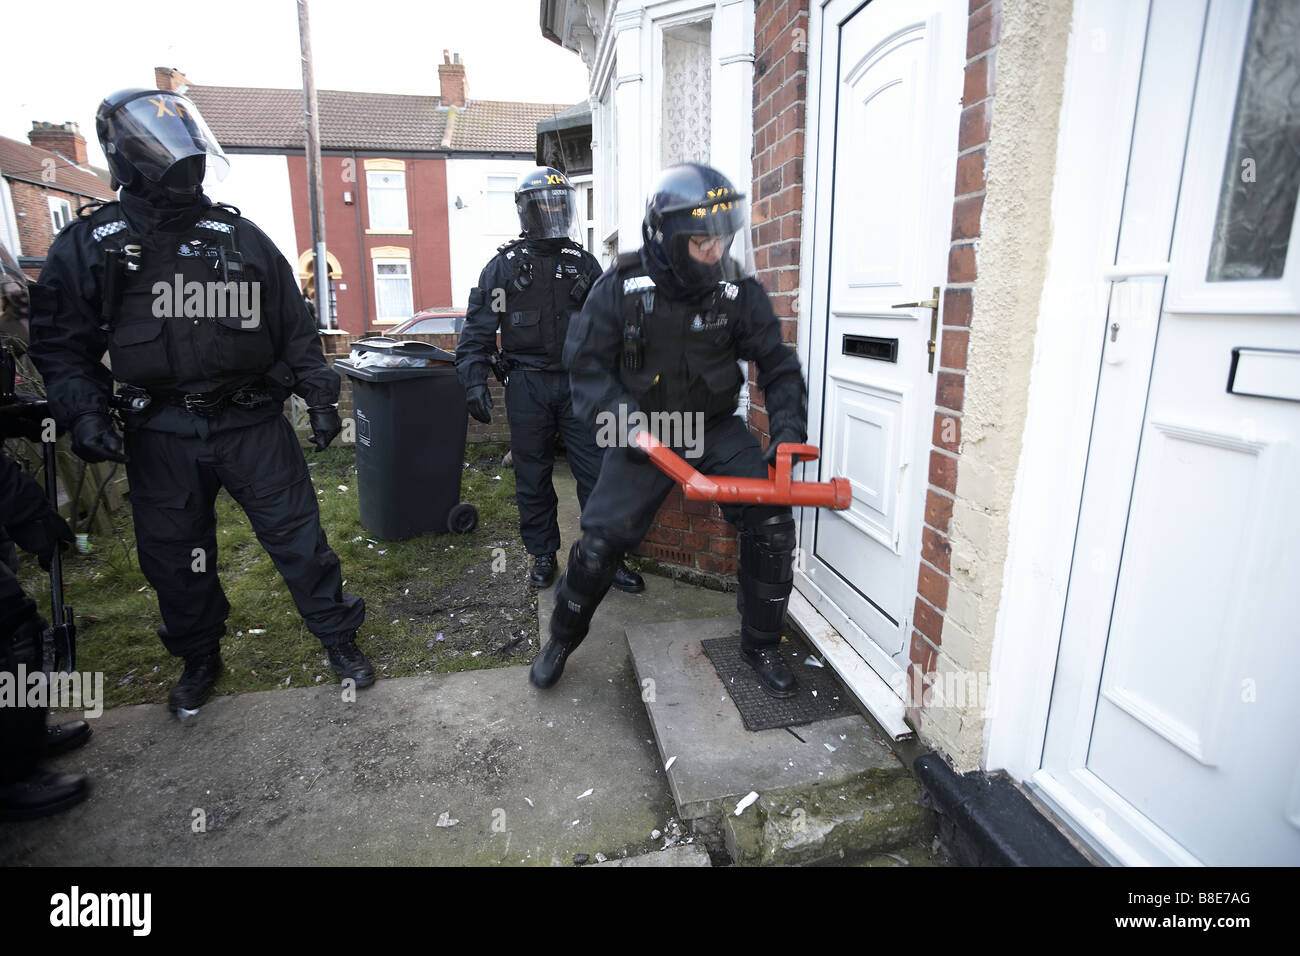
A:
[315,186]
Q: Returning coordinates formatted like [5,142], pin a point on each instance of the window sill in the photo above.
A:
[389,232]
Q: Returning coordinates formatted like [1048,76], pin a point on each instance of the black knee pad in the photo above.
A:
[766,576]
[590,571]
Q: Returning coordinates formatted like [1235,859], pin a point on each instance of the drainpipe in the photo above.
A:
[361,250]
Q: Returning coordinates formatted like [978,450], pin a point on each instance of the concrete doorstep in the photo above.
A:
[830,792]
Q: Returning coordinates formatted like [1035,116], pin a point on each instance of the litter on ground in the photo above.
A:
[745,802]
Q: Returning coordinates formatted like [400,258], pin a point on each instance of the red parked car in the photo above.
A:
[429,322]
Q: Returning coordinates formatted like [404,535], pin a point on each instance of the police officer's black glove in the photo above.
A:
[22,420]
[325,425]
[95,439]
[782,438]
[479,400]
[41,535]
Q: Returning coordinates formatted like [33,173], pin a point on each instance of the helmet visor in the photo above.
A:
[549,213]
[152,133]
[716,216]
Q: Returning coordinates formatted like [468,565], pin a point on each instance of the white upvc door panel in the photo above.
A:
[887,78]
[1172,724]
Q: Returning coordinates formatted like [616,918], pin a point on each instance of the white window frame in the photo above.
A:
[499,184]
[410,278]
[59,208]
[584,188]
[372,189]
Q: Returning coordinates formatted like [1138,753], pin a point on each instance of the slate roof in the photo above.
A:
[19,160]
[253,117]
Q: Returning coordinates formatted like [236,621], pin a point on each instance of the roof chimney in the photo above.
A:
[63,138]
[166,78]
[453,87]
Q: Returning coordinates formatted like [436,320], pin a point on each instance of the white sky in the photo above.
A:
[91,49]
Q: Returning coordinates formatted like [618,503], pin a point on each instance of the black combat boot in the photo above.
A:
[195,685]
[543,572]
[773,675]
[549,664]
[41,794]
[348,662]
[625,579]
[61,738]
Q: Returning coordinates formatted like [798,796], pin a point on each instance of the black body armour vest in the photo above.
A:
[543,292]
[183,311]
[678,356]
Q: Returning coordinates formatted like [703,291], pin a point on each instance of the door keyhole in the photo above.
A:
[1114,331]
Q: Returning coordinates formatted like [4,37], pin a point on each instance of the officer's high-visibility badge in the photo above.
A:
[720,203]
[163,105]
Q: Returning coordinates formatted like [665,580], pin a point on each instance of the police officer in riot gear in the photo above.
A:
[26,791]
[531,289]
[199,312]
[662,331]
[31,521]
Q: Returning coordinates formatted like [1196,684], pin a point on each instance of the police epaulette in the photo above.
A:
[635,284]
[626,261]
[86,210]
[105,220]
[219,217]
[509,244]
[222,212]
[728,290]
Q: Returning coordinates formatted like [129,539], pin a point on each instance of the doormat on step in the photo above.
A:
[818,697]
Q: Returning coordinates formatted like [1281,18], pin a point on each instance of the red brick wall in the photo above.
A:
[426,197]
[32,210]
[780,96]
[973,136]
[693,534]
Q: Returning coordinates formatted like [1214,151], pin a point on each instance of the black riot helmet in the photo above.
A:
[546,205]
[693,204]
[158,137]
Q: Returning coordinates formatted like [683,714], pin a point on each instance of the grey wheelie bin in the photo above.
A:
[410,441]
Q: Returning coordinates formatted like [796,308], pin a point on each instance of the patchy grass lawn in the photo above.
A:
[435,603]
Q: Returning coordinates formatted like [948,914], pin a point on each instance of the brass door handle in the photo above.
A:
[933,306]
[923,304]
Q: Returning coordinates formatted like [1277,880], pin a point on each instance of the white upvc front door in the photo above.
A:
[1172,734]
[885,88]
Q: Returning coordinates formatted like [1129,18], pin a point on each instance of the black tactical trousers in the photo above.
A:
[628,495]
[539,406]
[174,483]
